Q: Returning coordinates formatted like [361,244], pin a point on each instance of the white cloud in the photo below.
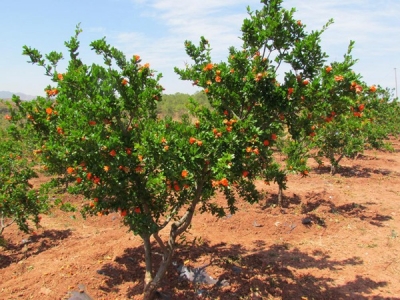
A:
[362,21]
[96,29]
[218,21]
[156,30]
[374,27]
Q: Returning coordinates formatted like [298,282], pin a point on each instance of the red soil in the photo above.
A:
[349,249]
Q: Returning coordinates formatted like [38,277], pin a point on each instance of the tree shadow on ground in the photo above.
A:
[33,245]
[350,210]
[127,268]
[273,201]
[354,171]
[278,271]
[314,202]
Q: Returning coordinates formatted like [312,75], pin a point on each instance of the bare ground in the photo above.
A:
[348,247]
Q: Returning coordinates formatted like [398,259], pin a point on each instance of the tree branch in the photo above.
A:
[160,243]
[184,222]
[166,222]
[4,226]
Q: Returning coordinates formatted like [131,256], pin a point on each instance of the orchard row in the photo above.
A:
[96,129]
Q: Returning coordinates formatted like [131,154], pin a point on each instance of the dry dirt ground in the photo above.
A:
[349,248]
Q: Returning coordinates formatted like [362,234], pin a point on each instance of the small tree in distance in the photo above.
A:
[342,115]
[20,203]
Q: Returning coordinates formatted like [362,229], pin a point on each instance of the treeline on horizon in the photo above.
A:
[175,105]
[172,105]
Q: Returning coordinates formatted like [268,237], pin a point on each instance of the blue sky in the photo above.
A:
[157,29]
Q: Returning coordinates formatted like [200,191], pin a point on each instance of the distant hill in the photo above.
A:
[8,95]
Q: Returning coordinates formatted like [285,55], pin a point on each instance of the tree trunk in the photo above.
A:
[150,288]
[151,283]
[335,164]
[148,277]
[280,197]
[150,291]
[333,169]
